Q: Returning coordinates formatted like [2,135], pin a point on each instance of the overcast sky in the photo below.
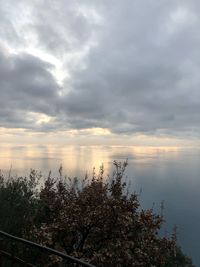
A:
[104,67]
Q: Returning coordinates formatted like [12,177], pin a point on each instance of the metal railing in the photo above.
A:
[14,259]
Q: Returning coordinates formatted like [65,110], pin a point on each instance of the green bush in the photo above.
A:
[18,202]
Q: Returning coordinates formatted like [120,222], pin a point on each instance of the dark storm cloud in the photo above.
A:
[137,67]
[26,86]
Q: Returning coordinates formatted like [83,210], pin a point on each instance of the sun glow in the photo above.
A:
[43,119]
[93,131]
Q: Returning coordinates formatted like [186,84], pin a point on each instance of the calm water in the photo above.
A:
[169,174]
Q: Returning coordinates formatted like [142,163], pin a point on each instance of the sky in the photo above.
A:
[100,72]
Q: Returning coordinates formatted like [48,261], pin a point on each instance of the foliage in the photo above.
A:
[93,219]
[178,259]
[18,202]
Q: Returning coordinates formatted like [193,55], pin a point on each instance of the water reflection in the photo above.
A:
[165,173]
[77,160]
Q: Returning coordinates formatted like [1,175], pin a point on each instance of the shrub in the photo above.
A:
[93,219]
[18,202]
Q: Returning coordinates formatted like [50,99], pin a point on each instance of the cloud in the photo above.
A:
[27,87]
[129,67]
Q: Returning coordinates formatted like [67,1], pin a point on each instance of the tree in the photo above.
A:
[18,202]
[98,222]
[94,219]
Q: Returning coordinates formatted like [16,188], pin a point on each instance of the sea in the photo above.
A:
[169,175]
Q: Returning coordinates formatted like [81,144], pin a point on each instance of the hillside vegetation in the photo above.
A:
[93,219]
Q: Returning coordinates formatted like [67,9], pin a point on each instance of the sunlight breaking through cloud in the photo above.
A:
[132,69]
